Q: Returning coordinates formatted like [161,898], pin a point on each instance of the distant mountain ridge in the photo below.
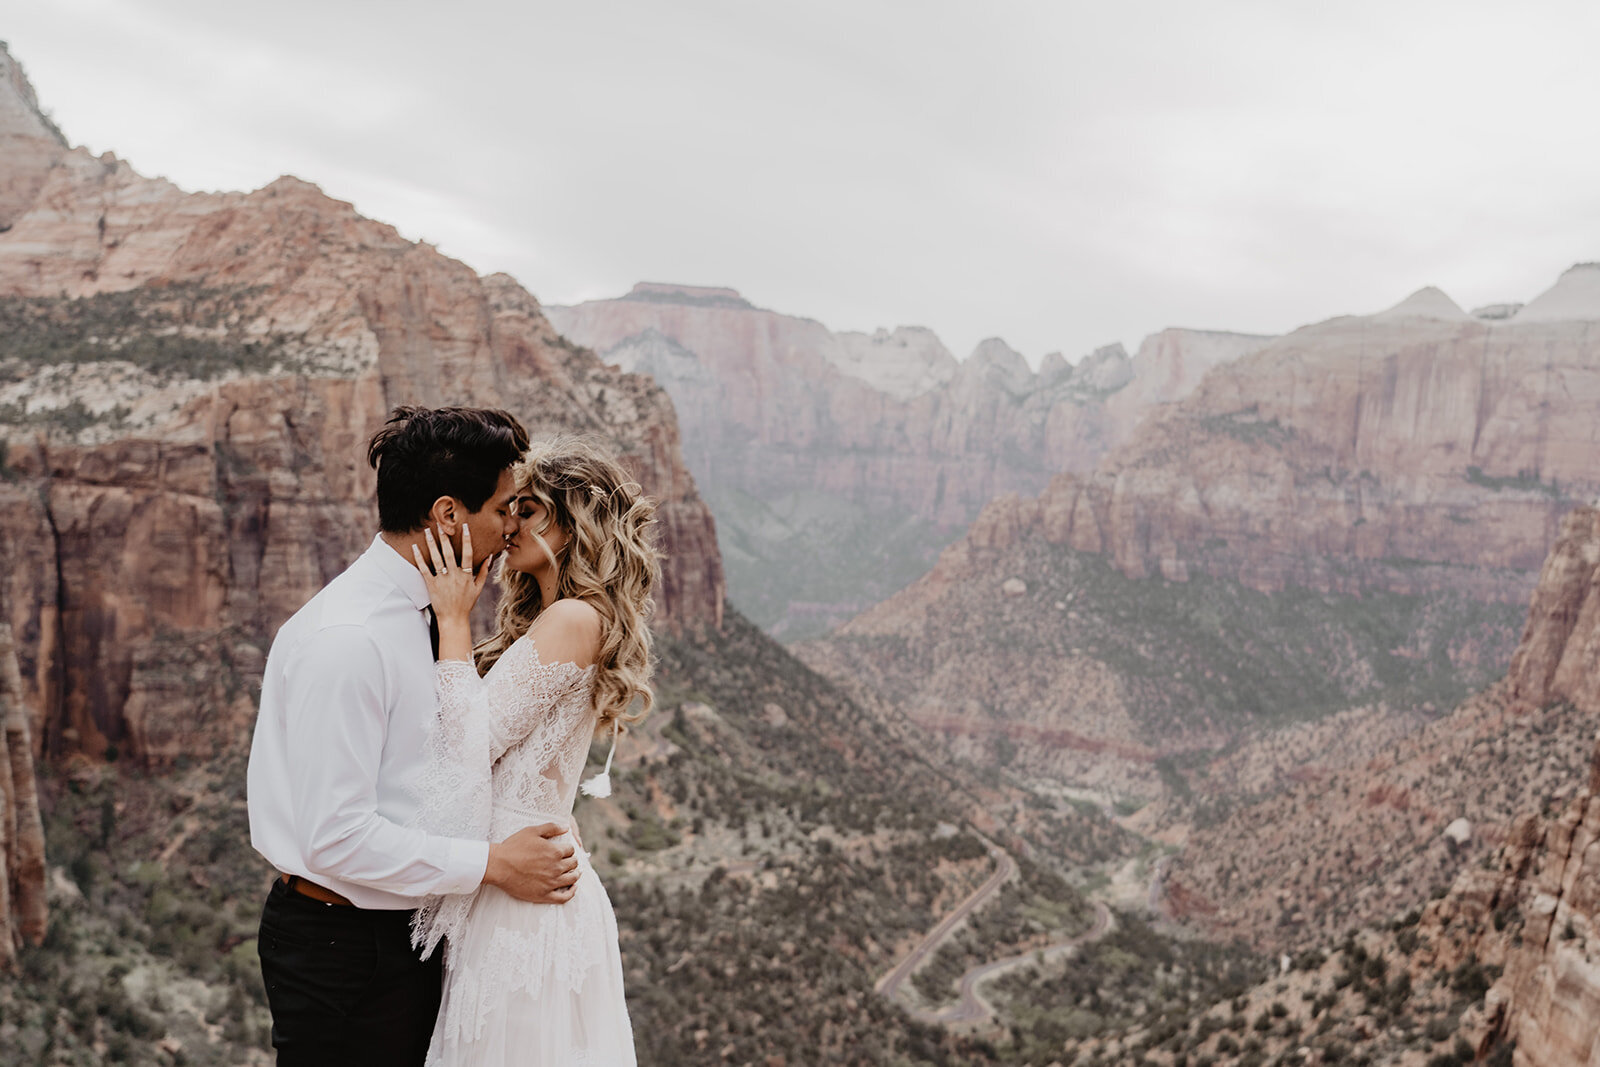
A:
[1353,514]
[838,463]
[1413,448]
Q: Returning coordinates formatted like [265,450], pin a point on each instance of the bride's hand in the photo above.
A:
[452,587]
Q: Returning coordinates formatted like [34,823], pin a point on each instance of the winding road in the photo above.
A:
[971,1007]
[1005,869]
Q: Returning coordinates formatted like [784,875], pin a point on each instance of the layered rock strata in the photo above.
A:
[785,422]
[775,403]
[188,384]
[1388,483]
[30,144]
[1415,449]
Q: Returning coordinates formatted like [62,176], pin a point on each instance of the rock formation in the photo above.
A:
[188,383]
[1367,820]
[1401,474]
[30,144]
[1536,913]
[1574,298]
[1414,449]
[22,878]
[778,411]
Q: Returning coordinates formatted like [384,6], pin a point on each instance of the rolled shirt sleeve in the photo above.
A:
[336,724]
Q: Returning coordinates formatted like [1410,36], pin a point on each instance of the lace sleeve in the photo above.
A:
[479,720]
[454,793]
[523,694]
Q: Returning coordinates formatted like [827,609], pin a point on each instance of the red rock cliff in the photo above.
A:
[773,403]
[1537,915]
[190,381]
[1409,450]
[22,888]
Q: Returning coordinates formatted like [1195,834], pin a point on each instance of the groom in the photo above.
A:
[346,706]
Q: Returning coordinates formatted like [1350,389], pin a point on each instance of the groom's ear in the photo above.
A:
[448,513]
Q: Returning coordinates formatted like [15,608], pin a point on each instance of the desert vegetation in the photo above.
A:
[765,869]
[169,332]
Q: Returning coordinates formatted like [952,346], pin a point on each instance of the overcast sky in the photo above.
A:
[1059,174]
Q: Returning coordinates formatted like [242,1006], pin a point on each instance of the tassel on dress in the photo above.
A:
[600,784]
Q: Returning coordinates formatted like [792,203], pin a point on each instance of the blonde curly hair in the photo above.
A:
[610,562]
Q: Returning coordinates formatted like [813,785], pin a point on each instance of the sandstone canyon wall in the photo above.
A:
[22,868]
[187,382]
[1354,513]
[1415,449]
[820,450]
[29,142]
[1536,913]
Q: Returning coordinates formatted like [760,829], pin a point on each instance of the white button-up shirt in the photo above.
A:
[346,707]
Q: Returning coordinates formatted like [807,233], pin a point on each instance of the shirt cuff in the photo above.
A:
[465,867]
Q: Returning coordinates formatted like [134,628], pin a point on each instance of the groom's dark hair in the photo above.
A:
[422,454]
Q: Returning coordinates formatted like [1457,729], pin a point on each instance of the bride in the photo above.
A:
[536,983]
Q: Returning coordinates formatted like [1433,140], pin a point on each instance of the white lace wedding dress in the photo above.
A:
[524,984]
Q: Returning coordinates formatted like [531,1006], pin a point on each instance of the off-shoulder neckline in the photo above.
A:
[541,661]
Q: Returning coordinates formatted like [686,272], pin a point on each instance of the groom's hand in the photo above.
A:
[530,865]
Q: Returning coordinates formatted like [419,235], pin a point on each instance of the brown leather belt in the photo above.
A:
[312,890]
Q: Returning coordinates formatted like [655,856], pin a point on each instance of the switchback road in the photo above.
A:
[1005,869]
[971,1007]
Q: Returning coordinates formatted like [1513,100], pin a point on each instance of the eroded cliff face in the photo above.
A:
[803,438]
[777,403]
[1405,451]
[22,874]
[1353,515]
[30,144]
[1545,899]
[189,381]
[1536,913]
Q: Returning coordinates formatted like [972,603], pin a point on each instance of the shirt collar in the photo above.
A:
[399,570]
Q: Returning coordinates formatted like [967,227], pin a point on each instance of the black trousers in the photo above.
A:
[344,984]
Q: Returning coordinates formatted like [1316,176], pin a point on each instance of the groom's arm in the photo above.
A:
[337,722]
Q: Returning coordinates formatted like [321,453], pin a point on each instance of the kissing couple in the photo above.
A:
[414,791]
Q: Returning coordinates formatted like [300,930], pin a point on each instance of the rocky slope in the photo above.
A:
[1335,845]
[1348,839]
[1387,484]
[1513,933]
[838,463]
[1050,662]
[771,848]
[186,385]
[1534,916]
[1467,944]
